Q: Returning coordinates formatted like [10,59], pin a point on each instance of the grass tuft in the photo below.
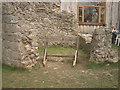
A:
[14,69]
[57,50]
[102,65]
[115,47]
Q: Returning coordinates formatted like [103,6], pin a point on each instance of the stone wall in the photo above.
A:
[99,45]
[17,47]
[27,24]
[85,41]
[101,50]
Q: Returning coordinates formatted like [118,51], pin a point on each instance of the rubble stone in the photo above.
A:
[27,24]
[101,50]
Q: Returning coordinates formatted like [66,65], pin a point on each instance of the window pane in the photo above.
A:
[102,15]
[80,14]
[91,14]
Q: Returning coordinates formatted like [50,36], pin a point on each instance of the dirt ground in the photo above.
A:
[59,73]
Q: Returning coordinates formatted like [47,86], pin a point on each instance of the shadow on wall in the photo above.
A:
[85,45]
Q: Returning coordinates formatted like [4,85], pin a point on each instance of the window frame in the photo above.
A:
[99,23]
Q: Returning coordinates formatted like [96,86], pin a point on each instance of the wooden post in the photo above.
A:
[76,52]
[77,43]
[75,60]
[99,15]
[105,15]
[45,53]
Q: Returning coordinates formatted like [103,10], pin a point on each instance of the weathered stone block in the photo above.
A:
[16,55]
[7,8]
[3,27]
[9,19]
[4,52]
[14,46]
[5,44]
[11,37]
[11,45]
[12,55]
[10,28]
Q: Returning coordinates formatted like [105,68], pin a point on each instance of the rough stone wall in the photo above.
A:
[46,17]
[17,47]
[101,50]
[26,24]
[85,41]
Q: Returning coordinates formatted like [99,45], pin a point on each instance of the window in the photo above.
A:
[91,14]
